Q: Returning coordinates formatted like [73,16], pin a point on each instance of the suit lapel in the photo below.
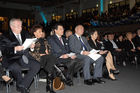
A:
[23,37]
[13,38]
[59,42]
[79,43]
[85,42]
[77,40]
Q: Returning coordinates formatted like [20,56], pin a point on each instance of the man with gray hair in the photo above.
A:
[17,58]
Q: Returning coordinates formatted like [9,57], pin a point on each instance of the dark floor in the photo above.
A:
[128,82]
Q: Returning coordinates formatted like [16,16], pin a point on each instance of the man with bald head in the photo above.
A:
[79,45]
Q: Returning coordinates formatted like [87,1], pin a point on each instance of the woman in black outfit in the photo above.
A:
[130,47]
[42,54]
[120,43]
[109,60]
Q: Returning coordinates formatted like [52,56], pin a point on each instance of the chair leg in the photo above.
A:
[136,62]
[49,84]
[115,63]
[36,81]
[7,88]
[7,85]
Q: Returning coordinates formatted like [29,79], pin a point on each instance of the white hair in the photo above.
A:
[13,20]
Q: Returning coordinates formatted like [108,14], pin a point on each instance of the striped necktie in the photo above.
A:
[82,43]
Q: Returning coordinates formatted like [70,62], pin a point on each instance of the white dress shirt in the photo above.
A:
[82,41]
[0,54]
[114,44]
[61,39]
[19,36]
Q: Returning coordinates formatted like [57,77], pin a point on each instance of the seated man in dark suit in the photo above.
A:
[137,44]
[130,48]
[79,45]
[112,46]
[15,57]
[60,49]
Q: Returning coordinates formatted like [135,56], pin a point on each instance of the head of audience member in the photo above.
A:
[129,35]
[0,33]
[52,32]
[120,38]
[58,29]
[105,37]
[134,34]
[110,36]
[16,25]
[79,30]
[36,31]
[138,32]
[68,33]
[86,35]
[43,34]
[94,35]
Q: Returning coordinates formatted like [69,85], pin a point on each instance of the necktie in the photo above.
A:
[84,46]
[19,40]
[61,40]
[24,57]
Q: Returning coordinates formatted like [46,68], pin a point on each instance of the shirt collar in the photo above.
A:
[58,36]
[77,36]
[16,34]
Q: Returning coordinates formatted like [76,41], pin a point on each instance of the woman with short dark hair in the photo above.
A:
[105,53]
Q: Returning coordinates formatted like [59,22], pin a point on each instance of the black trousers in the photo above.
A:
[73,66]
[1,71]
[120,56]
[131,55]
[47,62]
[16,70]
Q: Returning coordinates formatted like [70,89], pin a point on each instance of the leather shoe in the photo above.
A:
[98,80]
[88,82]
[9,81]
[22,89]
[69,82]
[114,71]
[49,89]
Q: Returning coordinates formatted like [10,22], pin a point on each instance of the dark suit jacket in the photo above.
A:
[105,44]
[97,46]
[128,46]
[109,46]
[10,55]
[137,41]
[57,48]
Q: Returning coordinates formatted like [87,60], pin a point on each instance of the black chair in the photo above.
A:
[8,86]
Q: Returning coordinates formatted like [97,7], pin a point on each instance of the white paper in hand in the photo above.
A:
[71,54]
[93,54]
[94,51]
[28,42]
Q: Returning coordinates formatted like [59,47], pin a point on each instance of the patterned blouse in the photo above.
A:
[40,47]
